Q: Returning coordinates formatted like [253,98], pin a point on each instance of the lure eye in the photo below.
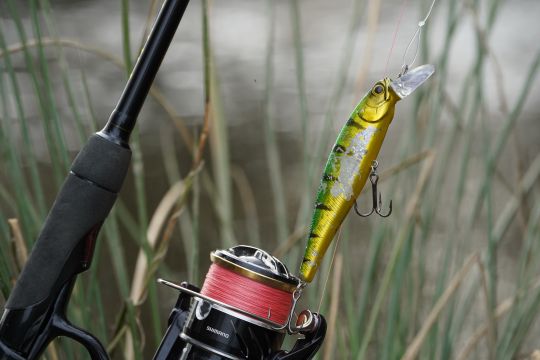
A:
[378,89]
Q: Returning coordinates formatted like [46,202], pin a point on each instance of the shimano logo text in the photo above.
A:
[216,331]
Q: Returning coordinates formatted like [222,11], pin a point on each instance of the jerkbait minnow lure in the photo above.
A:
[348,166]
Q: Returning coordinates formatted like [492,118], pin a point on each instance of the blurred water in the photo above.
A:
[239,37]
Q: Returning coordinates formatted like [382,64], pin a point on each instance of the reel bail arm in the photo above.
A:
[314,331]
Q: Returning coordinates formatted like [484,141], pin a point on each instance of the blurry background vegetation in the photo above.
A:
[230,149]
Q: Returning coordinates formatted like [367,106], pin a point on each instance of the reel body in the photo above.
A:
[202,327]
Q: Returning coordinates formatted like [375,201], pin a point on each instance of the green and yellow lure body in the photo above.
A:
[347,170]
[349,164]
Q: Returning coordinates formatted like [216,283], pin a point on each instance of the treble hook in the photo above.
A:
[377,204]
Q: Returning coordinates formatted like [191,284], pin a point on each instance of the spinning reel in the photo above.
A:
[201,326]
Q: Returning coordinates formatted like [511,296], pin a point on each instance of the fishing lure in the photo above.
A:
[349,163]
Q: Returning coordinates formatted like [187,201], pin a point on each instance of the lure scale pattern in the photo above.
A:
[347,170]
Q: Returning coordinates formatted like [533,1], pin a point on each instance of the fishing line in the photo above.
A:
[416,36]
[246,294]
[401,12]
[329,271]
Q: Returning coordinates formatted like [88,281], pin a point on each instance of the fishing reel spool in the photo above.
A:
[244,310]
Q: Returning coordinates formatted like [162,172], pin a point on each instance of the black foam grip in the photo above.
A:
[79,207]
[82,204]
[102,162]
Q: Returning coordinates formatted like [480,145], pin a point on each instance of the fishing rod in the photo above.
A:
[35,312]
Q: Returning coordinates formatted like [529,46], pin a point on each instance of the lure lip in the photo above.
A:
[405,84]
